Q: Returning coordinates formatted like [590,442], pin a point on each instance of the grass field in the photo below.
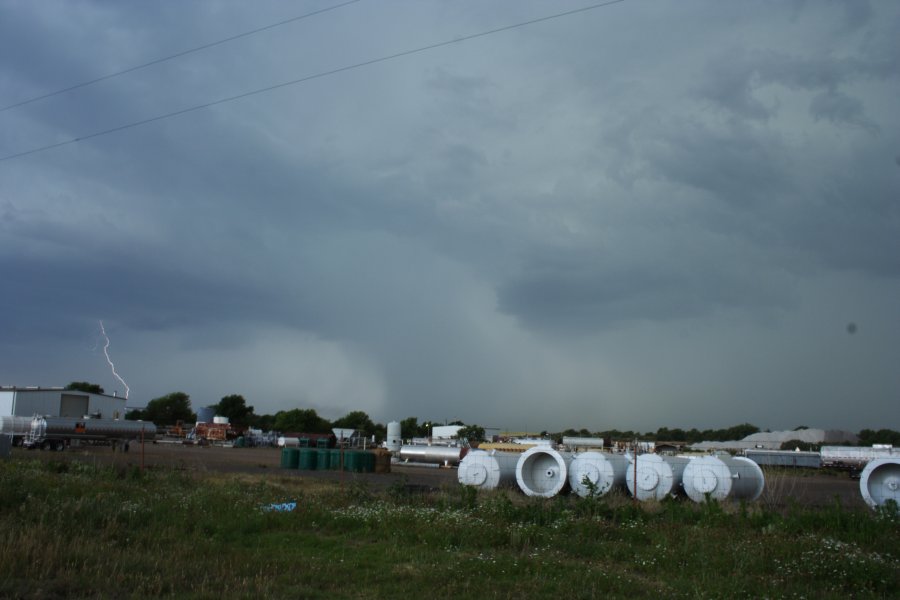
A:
[74,530]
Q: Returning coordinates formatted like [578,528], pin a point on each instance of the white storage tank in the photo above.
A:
[287,442]
[880,481]
[604,471]
[657,476]
[394,440]
[584,443]
[219,420]
[447,455]
[488,470]
[723,477]
[542,471]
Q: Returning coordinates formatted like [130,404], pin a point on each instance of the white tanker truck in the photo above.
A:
[55,433]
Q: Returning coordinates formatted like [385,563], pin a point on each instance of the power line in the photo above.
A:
[320,75]
[176,55]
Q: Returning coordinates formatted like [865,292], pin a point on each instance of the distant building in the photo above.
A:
[59,402]
[772,440]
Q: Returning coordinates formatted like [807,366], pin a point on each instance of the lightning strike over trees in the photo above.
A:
[111,365]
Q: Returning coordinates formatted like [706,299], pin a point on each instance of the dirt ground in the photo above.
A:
[781,486]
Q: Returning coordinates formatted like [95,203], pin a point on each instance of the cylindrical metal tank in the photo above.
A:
[287,442]
[880,481]
[218,420]
[450,455]
[657,476]
[603,470]
[15,425]
[394,439]
[542,471]
[582,442]
[488,470]
[723,477]
[74,428]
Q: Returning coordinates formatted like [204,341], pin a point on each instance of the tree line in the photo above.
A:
[174,407]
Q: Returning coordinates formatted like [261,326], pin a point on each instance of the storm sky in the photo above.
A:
[646,214]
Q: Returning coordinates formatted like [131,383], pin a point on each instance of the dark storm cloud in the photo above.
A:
[548,226]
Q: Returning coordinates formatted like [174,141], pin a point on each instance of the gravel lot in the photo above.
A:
[817,489]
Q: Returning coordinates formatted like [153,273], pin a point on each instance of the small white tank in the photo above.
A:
[723,477]
[604,471]
[394,440]
[220,420]
[542,471]
[488,470]
[880,481]
[657,476]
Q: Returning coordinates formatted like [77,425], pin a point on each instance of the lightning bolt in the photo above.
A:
[111,365]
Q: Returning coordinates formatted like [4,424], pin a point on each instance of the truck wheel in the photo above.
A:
[59,445]
[46,445]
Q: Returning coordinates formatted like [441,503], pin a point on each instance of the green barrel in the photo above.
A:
[351,460]
[368,461]
[308,459]
[323,459]
[290,458]
[335,459]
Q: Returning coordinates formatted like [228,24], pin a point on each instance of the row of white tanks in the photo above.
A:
[545,472]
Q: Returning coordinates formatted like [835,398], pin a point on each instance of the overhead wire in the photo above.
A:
[319,75]
[176,55]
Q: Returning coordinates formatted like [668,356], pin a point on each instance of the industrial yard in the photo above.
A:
[228,522]
[783,486]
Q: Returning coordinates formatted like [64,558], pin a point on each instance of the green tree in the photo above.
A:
[409,428]
[472,433]
[357,420]
[804,446]
[867,437]
[264,422]
[235,408]
[84,386]
[301,420]
[739,432]
[169,409]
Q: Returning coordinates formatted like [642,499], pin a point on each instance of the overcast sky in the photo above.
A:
[681,214]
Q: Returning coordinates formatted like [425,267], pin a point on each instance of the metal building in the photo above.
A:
[59,402]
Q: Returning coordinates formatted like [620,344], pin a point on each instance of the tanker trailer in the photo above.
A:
[55,433]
